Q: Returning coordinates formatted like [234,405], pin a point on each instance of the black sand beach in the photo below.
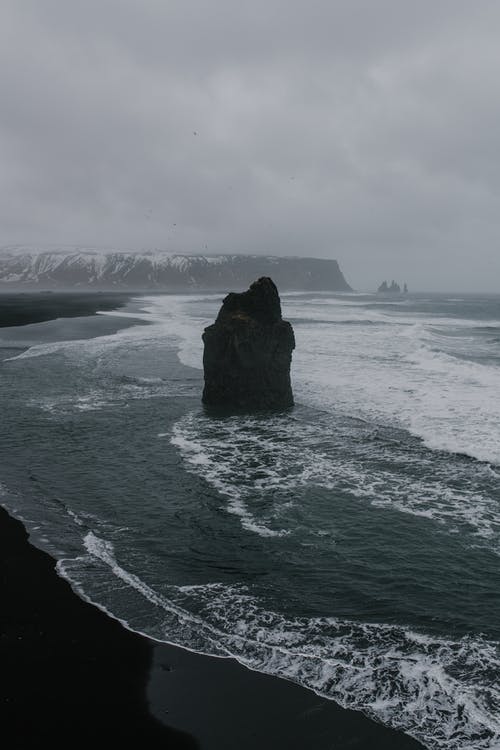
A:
[71,673]
[22,308]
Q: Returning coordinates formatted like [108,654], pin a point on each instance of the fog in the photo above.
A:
[366,131]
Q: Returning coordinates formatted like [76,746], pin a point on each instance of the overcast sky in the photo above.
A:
[362,130]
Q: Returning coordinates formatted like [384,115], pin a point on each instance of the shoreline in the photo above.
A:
[65,317]
[69,668]
[25,308]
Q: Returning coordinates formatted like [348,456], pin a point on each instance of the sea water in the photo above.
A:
[351,544]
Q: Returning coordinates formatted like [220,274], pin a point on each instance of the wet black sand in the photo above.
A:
[18,308]
[68,671]
[228,706]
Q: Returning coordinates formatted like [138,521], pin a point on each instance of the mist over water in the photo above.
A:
[351,544]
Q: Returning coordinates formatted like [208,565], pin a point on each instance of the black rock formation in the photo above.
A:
[393,288]
[248,351]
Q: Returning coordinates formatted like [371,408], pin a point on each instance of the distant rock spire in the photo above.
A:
[392,288]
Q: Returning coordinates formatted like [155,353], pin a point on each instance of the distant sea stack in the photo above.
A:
[81,268]
[248,351]
[392,288]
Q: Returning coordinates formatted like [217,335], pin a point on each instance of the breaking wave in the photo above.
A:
[442,692]
[258,463]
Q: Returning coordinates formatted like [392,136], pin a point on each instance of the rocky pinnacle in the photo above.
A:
[248,351]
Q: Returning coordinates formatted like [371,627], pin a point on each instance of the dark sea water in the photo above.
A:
[351,544]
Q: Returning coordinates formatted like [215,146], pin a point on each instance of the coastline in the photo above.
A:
[70,670]
[26,307]
[26,321]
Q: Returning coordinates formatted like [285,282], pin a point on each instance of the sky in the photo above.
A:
[362,130]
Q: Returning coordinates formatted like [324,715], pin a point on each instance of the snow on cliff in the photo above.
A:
[23,267]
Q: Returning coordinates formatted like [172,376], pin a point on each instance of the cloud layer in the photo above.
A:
[366,131]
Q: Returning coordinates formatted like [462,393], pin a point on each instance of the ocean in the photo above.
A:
[350,544]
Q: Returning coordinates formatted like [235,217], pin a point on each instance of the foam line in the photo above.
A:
[420,684]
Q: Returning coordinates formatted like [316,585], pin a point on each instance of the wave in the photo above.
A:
[257,464]
[112,395]
[166,315]
[440,691]
[394,375]
[206,457]
[393,370]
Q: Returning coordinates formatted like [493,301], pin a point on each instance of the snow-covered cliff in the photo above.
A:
[85,268]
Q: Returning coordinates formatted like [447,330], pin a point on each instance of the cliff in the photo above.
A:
[84,268]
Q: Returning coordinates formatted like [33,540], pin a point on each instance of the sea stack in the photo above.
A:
[248,351]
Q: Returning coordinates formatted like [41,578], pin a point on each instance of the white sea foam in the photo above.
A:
[389,370]
[106,354]
[208,459]
[259,464]
[392,368]
[165,314]
[112,395]
[443,692]
[84,348]
[395,374]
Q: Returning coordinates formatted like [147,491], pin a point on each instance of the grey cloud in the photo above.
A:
[366,130]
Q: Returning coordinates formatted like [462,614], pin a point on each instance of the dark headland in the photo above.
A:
[80,268]
[72,674]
